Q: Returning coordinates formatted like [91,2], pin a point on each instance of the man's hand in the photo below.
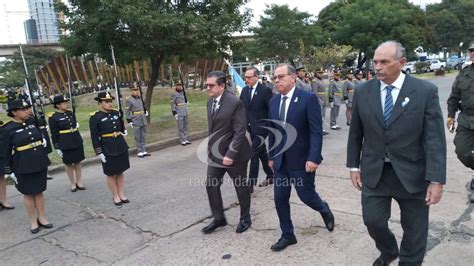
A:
[227,161]
[270,164]
[355,178]
[311,166]
[434,193]
[450,124]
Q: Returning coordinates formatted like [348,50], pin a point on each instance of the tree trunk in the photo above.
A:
[361,62]
[155,67]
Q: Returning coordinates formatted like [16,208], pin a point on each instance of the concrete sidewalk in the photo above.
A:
[169,206]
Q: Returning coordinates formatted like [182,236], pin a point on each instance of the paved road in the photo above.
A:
[169,207]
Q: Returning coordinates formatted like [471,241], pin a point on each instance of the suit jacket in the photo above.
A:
[256,108]
[413,140]
[304,115]
[227,128]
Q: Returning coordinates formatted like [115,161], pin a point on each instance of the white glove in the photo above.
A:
[331,104]
[176,117]
[125,132]
[13,177]
[146,113]
[130,124]
[102,158]
[77,125]
[45,144]
[346,101]
[60,153]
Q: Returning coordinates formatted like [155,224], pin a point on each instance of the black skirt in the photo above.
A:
[73,156]
[2,168]
[116,165]
[33,183]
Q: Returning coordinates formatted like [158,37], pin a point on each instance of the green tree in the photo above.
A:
[12,72]
[364,24]
[162,31]
[281,31]
[324,56]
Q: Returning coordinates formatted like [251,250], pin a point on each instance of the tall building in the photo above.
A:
[30,31]
[46,20]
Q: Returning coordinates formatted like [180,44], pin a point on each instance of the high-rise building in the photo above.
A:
[46,19]
[30,31]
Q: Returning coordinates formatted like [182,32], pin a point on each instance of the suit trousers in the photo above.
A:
[238,174]
[376,211]
[259,153]
[140,137]
[334,115]
[305,188]
[182,128]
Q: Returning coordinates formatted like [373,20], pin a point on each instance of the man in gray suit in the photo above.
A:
[136,118]
[397,150]
[228,151]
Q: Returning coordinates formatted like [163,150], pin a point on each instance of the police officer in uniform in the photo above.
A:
[25,155]
[462,99]
[4,205]
[136,118]
[335,99]
[40,121]
[109,144]
[358,78]
[301,80]
[320,90]
[179,109]
[67,140]
[348,93]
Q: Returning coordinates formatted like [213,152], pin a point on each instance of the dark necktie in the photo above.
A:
[214,105]
[283,108]
[388,108]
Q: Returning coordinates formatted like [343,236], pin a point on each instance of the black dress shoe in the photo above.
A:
[9,207]
[74,189]
[49,178]
[283,243]
[243,226]
[125,200]
[80,188]
[47,226]
[325,133]
[383,262]
[328,219]
[213,226]
[117,203]
[35,231]
[266,182]
[472,185]
[251,189]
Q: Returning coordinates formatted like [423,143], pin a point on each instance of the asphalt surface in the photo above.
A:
[169,207]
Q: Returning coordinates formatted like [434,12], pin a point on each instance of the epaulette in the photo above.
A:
[50,114]
[93,113]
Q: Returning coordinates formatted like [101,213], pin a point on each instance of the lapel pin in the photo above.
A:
[296,100]
[406,101]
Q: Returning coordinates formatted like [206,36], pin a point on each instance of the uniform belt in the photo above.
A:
[349,91]
[137,113]
[66,131]
[42,127]
[321,93]
[180,104]
[111,135]
[338,94]
[29,146]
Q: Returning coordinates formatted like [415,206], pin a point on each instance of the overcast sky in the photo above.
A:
[14,12]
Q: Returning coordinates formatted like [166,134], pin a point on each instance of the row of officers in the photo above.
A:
[24,149]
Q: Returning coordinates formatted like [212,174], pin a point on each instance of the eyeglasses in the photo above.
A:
[210,86]
[249,77]
[279,76]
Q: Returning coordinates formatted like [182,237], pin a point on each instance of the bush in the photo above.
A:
[422,67]
[439,72]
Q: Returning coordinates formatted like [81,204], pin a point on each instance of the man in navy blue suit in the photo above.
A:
[256,97]
[296,115]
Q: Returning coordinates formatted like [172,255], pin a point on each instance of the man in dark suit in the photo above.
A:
[397,150]
[255,97]
[228,151]
[296,116]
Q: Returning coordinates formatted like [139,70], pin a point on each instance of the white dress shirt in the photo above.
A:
[253,89]
[287,102]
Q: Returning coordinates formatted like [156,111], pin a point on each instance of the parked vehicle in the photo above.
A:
[455,62]
[436,64]
[409,68]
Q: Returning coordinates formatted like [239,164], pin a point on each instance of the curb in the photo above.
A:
[155,146]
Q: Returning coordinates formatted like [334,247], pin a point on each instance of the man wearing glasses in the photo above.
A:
[228,151]
[255,97]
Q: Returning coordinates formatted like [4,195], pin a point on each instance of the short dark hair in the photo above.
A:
[219,75]
[255,70]
[291,69]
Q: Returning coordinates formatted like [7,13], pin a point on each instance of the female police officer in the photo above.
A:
[25,155]
[67,140]
[109,144]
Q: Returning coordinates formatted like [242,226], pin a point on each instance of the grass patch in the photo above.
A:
[162,125]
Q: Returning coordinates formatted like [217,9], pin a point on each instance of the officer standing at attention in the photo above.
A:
[358,81]
[109,144]
[24,153]
[67,140]
[136,118]
[348,93]
[335,99]
[320,90]
[179,109]
[462,99]
[301,80]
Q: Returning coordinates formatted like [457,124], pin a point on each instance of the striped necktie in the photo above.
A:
[388,108]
